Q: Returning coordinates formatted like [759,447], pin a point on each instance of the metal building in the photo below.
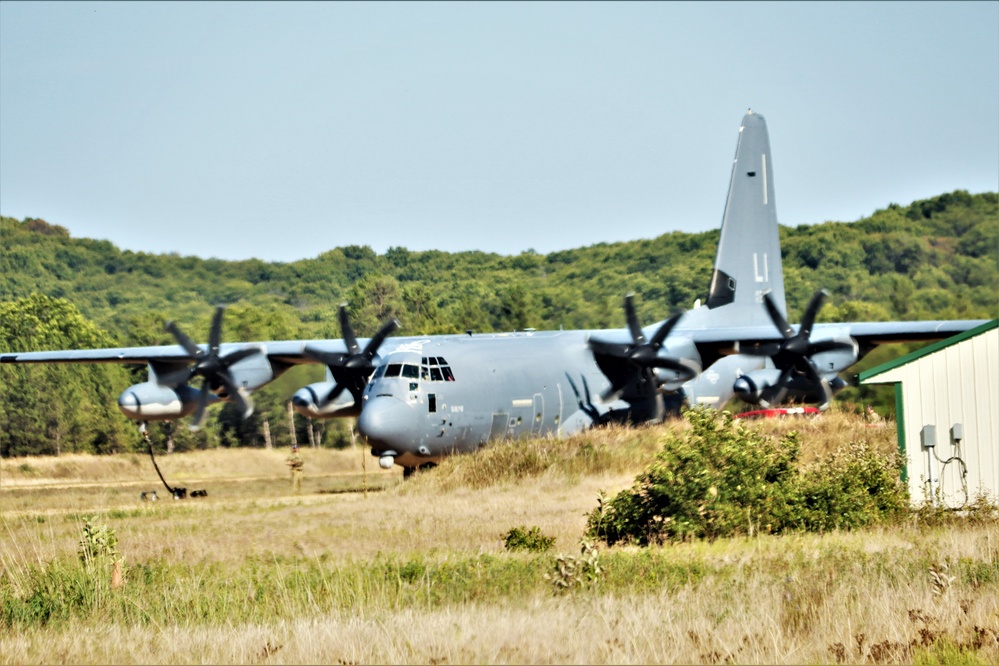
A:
[947,409]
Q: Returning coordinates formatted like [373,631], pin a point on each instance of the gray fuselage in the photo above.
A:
[452,394]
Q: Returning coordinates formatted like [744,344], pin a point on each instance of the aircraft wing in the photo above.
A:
[874,333]
[715,341]
[878,333]
[283,351]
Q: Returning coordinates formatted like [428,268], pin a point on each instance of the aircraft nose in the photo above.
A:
[387,421]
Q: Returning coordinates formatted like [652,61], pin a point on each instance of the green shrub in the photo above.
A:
[722,478]
[521,538]
[853,487]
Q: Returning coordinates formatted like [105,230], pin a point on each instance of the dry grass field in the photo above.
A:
[361,567]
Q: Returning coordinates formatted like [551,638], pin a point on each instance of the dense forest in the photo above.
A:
[933,259]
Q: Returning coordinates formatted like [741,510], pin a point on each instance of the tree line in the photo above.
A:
[933,259]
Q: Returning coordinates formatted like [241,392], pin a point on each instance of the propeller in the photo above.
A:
[621,361]
[351,370]
[792,355]
[210,365]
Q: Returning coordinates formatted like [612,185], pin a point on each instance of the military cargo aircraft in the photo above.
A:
[418,399]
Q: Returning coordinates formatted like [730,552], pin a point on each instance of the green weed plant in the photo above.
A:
[531,540]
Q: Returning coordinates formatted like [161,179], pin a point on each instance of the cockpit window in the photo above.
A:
[407,370]
[436,369]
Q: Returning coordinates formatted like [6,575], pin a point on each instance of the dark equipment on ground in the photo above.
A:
[176,493]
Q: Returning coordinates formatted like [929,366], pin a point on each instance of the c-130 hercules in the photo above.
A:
[418,399]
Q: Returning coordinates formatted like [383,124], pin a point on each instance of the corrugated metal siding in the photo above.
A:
[958,384]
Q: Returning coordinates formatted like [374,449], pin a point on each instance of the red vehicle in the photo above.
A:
[779,411]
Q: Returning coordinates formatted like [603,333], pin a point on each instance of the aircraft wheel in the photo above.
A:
[410,471]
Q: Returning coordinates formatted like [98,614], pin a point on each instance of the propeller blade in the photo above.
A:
[387,329]
[615,349]
[683,367]
[199,413]
[776,317]
[660,335]
[827,390]
[237,393]
[611,394]
[183,340]
[810,313]
[335,392]
[239,355]
[324,357]
[810,371]
[633,326]
[215,334]
[776,394]
[348,332]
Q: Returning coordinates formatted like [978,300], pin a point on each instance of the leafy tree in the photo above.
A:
[54,409]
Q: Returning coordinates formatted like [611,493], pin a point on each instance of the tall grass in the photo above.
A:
[765,600]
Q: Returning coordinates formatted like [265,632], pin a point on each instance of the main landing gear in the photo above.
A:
[410,471]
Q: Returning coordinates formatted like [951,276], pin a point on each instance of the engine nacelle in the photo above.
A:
[838,360]
[684,350]
[309,402]
[253,372]
[152,402]
[750,387]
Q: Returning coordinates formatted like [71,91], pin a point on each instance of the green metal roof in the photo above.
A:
[927,350]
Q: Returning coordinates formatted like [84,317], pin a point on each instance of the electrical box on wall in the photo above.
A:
[957,433]
[929,436]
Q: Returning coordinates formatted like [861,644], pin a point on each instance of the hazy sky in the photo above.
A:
[280,131]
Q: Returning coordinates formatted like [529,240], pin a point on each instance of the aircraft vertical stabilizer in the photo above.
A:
[748,263]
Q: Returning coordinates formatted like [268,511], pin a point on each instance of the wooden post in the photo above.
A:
[267,435]
[291,424]
[364,460]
